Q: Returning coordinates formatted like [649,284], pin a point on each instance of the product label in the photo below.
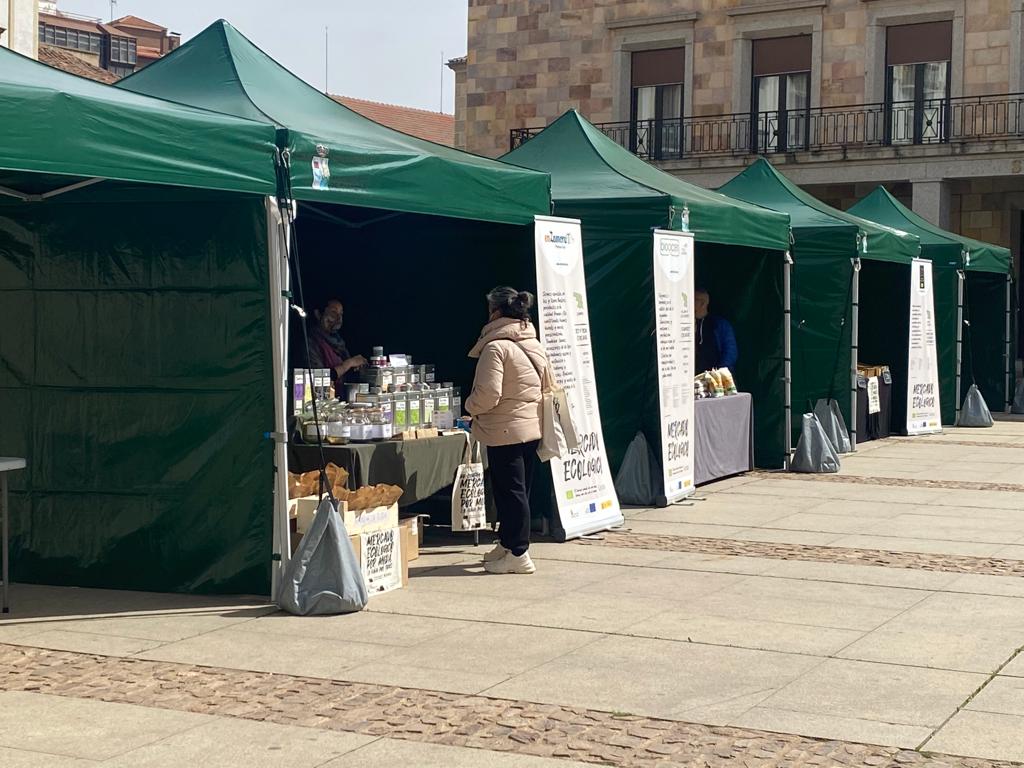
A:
[414,413]
[381,556]
[874,399]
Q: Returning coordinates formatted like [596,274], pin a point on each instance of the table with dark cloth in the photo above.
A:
[723,440]
[875,425]
[424,468]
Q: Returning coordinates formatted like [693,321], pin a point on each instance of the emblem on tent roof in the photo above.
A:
[322,151]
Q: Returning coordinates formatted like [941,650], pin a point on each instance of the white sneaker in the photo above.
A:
[511,564]
[495,554]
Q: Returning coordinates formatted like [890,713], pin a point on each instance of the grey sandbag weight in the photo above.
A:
[814,452]
[323,577]
[831,420]
[975,412]
[638,477]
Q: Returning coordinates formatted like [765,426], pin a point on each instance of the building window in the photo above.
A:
[123,50]
[781,93]
[917,79]
[120,70]
[76,40]
[657,103]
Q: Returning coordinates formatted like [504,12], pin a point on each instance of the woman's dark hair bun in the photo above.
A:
[511,303]
[523,300]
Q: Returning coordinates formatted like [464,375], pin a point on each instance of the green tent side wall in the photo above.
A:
[136,377]
[985,268]
[984,352]
[370,165]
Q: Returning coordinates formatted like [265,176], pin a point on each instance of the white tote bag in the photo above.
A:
[469,507]
[558,433]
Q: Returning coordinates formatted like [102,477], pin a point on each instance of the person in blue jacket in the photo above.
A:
[715,341]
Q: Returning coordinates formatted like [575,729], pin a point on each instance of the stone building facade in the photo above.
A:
[923,97]
[18,20]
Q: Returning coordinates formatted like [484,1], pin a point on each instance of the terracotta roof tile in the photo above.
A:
[424,124]
[68,62]
[148,52]
[136,23]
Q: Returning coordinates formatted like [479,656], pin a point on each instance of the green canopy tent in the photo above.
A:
[396,217]
[829,287]
[620,199]
[410,235]
[367,164]
[986,269]
[136,359]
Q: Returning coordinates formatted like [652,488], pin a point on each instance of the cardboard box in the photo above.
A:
[413,527]
[302,510]
[368,520]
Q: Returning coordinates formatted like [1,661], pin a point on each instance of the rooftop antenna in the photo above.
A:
[327,58]
[442,82]
[113,5]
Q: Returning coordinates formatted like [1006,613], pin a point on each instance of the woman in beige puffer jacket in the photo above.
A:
[506,405]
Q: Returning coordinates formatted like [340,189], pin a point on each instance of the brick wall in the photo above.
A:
[843,196]
[531,60]
[986,47]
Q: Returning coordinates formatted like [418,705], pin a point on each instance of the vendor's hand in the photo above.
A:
[340,370]
[355,362]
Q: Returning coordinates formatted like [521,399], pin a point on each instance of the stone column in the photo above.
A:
[931,200]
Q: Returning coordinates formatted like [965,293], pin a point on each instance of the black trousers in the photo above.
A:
[511,470]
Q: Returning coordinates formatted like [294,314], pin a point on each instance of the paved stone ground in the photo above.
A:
[581,735]
[777,551]
[872,618]
[901,482]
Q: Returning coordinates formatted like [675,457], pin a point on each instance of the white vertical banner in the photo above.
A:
[584,491]
[673,322]
[923,410]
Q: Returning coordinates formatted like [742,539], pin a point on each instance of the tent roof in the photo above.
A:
[370,165]
[761,183]
[586,165]
[70,129]
[882,207]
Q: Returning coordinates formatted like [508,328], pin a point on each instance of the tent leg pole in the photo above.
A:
[787,343]
[1008,351]
[854,351]
[278,274]
[959,342]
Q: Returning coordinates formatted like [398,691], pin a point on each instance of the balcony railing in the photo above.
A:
[936,121]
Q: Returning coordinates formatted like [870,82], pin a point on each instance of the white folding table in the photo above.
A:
[7,464]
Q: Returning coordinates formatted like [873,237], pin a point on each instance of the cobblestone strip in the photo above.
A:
[992,566]
[895,482]
[469,721]
[969,443]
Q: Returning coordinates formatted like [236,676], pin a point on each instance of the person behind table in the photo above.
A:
[506,406]
[326,347]
[715,341]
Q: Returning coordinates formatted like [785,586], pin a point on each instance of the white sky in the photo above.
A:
[383,50]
